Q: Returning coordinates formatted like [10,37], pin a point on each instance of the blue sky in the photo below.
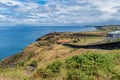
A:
[59,12]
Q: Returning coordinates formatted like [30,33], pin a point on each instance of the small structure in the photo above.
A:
[113,36]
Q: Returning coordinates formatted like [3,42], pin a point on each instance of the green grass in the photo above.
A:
[33,64]
[31,54]
[51,70]
[13,74]
[92,66]
[88,66]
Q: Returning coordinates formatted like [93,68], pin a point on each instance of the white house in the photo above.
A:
[114,35]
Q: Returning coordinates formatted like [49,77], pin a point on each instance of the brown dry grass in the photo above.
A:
[47,54]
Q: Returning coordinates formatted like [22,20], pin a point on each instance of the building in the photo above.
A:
[113,36]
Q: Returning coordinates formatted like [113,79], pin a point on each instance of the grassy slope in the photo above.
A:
[42,57]
[60,65]
[88,66]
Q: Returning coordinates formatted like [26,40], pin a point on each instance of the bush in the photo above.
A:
[31,54]
[54,67]
[16,56]
[75,41]
[33,63]
[51,70]
[92,66]
[75,75]
[88,66]
[21,63]
[44,73]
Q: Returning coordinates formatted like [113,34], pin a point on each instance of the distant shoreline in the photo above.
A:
[14,39]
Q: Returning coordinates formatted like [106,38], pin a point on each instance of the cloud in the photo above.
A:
[65,12]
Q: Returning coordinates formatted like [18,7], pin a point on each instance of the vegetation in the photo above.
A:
[33,63]
[75,41]
[51,70]
[93,66]
[39,61]
[45,43]
[21,63]
[54,67]
[88,66]
[31,54]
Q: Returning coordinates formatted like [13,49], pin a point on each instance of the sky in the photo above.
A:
[59,12]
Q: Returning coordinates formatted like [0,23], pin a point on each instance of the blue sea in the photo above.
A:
[14,39]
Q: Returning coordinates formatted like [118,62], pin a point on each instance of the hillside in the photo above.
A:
[48,59]
[51,41]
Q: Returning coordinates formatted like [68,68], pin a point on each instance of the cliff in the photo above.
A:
[49,42]
[48,59]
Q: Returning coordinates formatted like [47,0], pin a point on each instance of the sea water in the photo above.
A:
[15,38]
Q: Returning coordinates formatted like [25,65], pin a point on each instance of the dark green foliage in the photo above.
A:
[75,41]
[21,63]
[31,54]
[92,66]
[17,56]
[45,43]
[45,73]
[88,66]
[54,67]
[51,70]
[33,63]
[40,71]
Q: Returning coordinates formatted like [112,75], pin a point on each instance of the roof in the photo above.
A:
[114,32]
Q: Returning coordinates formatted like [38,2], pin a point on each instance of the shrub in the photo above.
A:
[31,54]
[45,43]
[91,66]
[16,56]
[21,63]
[88,66]
[33,63]
[44,73]
[54,67]
[75,41]
[74,75]
[51,70]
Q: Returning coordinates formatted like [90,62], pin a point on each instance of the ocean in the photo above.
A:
[14,39]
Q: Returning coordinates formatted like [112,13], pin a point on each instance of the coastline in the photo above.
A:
[19,37]
[48,50]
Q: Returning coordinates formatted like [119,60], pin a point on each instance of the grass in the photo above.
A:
[88,66]
[57,62]
[12,73]
[88,40]
[31,54]
[72,64]
[50,70]
[33,63]
[93,66]
[75,65]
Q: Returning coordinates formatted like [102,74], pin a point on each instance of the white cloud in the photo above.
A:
[59,11]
